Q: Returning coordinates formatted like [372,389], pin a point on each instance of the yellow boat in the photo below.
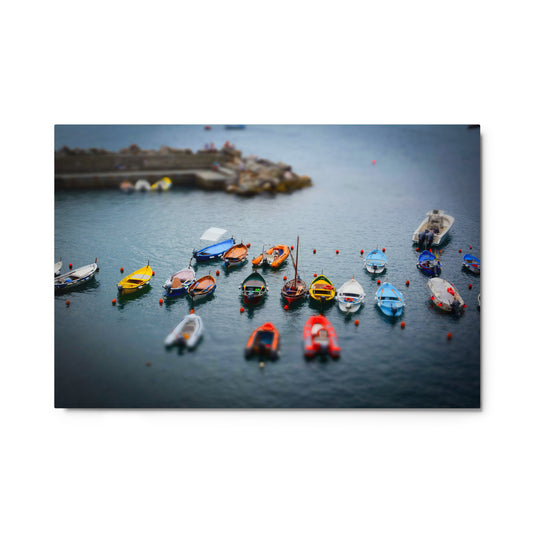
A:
[163,184]
[321,289]
[135,281]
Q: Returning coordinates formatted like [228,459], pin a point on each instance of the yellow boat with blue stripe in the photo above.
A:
[321,289]
[136,281]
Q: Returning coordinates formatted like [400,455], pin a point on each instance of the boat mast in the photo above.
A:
[296,266]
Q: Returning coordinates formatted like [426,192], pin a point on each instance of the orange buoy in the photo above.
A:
[218,272]
[314,251]
[379,282]
[242,309]
[286,307]
[407,283]
[191,312]
[160,301]
[121,270]
[284,278]
[402,325]
[114,301]
[449,335]
[70,265]
[356,322]
[67,302]
[336,251]
[470,286]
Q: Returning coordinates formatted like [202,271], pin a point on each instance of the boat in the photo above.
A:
[213,251]
[201,288]
[445,296]
[127,187]
[472,263]
[235,256]
[234,126]
[429,263]
[321,289]
[163,184]
[57,267]
[320,338]
[253,288]
[375,261]
[179,282]
[350,296]
[75,277]
[273,257]
[187,332]
[264,342]
[434,228]
[294,289]
[390,300]
[135,281]
[142,185]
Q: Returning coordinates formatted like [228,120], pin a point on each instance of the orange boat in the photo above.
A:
[320,338]
[272,257]
[264,341]
[236,255]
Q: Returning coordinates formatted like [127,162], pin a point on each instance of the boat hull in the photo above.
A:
[214,251]
[136,281]
[390,300]
[320,338]
[253,289]
[75,278]
[350,296]
[445,296]
[375,262]
[264,342]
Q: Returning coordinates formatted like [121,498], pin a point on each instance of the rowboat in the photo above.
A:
[126,186]
[390,300]
[264,341]
[135,281]
[429,263]
[375,261]
[320,338]
[253,288]
[213,251]
[445,296]
[75,277]
[273,257]
[434,228]
[321,289]
[350,296]
[235,256]
[163,184]
[234,126]
[142,185]
[472,263]
[201,288]
[294,289]
[57,267]
[187,332]
[179,282]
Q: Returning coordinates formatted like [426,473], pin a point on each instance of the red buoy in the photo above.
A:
[314,275]
[402,325]
[314,251]
[121,270]
[67,302]
[153,272]
[356,322]
[160,301]
[286,307]
[432,297]
[148,363]
[471,247]
[362,252]
[292,247]
[113,301]
[373,161]
[242,309]
[336,251]
[284,278]
[407,283]
[470,286]
[440,304]
[248,245]
[70,265]
[383,250]
[418,249]
[460,251]
[379,282]
[218,272]
[449,335]
[191,312]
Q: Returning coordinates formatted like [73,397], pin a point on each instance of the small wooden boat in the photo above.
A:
[253,288]
[264,342]
[434,228]
[135,281]
[321,289]
[57,267]
[179,282]
[163,184]
[127,187]
[472,263]
[350,296]
[429,263]
[201,288]
[187,332]
[75,277]
[273,257]
[375,261]
[235,256]
[445,296]
[320,338]
[294,289]
[142,185]
[213,251]
[390,300]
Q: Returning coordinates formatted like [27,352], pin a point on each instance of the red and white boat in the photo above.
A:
[320,338]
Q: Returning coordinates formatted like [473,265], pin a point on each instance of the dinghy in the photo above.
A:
[472,263]
[320,338]
[75,277]
[445,296]
[57,267]
[163,184]
[235,256]
[142,185]
[321,289]
[390,300]
[273,257]
[201,288]
[294,289]
[375,261]
[136,281]
[187,332]
[213,251]
[350,296]
[433,229]
[179,282]
[429,263]
[264,342]
[253,288]
[126,187]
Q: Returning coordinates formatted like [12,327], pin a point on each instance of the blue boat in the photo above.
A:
[429,263]
[472,263]
[213,251]
[376,261]
[390,300]
[234,126]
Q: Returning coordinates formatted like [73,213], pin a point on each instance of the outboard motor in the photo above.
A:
[394,310]
[456,307]
[421,237]
[429,237]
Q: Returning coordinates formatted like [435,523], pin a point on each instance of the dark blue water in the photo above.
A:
[101,350]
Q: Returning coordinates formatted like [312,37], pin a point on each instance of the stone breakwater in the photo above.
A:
[225,169]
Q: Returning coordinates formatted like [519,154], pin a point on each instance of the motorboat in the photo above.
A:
[429,263]
[187,332]
[264,342]
[274,257]
[445,296]
[434,228]
[320,338]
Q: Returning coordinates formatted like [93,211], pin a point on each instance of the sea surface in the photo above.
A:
[114,356]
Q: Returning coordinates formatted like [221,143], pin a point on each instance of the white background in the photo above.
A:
[282,63]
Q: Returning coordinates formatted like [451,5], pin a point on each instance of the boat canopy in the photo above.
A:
[212,234]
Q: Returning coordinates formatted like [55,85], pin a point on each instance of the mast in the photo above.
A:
[296,266]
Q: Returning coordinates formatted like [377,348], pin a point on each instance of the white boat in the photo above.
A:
[142,185]
[179,282]
[350,296]
[57,267]
[375,262]
[187,332]
[445,296]
[433,228]
[75,277]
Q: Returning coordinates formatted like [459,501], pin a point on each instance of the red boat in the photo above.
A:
[320,338]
